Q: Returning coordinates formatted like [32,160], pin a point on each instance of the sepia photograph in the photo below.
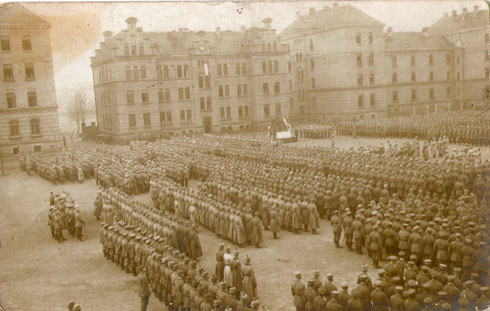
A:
[245,155]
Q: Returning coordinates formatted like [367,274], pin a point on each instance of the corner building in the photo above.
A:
[153,83]
[28,110]
[347,66]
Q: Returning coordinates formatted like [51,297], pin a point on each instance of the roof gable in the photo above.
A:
[17,14]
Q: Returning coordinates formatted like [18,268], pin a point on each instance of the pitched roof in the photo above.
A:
[16,14]
[461,21]
[345,15]
[416,41]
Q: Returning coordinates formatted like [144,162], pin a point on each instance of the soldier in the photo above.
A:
[298,291]
[79,223]
[375,246]
[344,296]
[379,298]
[144,288]
[337,229]
[249,281]
[348,230]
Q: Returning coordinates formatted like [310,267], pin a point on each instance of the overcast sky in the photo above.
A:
[77,27]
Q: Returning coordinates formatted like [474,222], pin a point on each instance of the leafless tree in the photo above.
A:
[78,108]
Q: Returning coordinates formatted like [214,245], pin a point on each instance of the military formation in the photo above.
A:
[314,131]
[162,251]
[460,127]
[63,214]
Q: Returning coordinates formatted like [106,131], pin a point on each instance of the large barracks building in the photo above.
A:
[333,63]
[186,82]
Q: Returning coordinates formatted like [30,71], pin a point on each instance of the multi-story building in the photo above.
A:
[28,110]
[149,83]
[348,67]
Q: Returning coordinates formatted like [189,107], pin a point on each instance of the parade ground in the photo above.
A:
[37,273]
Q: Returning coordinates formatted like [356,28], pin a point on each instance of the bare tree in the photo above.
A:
[78,108]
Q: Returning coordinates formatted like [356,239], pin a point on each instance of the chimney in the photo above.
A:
[446,14]
[267,23]
[335,5]
[476,8]
[312,11]
[298,15]
[454,14]
[131,21]
[425,31]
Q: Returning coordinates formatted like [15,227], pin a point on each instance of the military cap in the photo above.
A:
[399,288]
[484,289]
[297,273]
[378,283]
[363,277]
[428,300]
[76,307]
[345,285]
[335,293]
[410,292]
[412,283]
[329,275]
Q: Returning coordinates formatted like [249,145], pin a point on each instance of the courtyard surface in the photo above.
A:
[37,273]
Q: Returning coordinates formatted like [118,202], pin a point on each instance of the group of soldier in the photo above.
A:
[459,127]
[156,246]
[72,306]
[313,131]
[64,214]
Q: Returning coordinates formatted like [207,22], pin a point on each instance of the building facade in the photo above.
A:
[28,109]
[346,66]
[151,83]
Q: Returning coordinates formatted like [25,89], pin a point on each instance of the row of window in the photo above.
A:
[15,129]
[8,72]
[184,93]
[224,70]
[165,118]
[277,88]
[270,67]
[5,43]
[268,47]
[359,38]
[225,112]
[12,99]
[16,150]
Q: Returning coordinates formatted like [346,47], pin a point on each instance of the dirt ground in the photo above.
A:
[36,273]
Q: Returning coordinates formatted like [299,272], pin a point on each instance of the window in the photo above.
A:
[371,79]
[130,97]
[359,60]
[162,117]
[289,67]
[32,98]
[11,100]
[161,97]
[167,95]
[448,75]
[278,108]
[358,38]
[395,78]
[145,99]
[222,112]
[395,96]
[371,59]
[269,67]
[359,80]
[179,71]
[220,91]
[240,111]
[372,100]
[146,119]
[245,110]
[5,43]
[132,120]
[431,76]
[8,73]
[360,101]
[136,73]
[370,38]
[181,93]
[448,59]
[486,73]
[265,88]
[202,102]
[182,116]
[228,112]
[414,95]
[311,45]
[244,69]
[487,55]
[412,60]
[277,88]
[227,90]
[313,85]
[15,150]
[169,116]
[187,93]
[126,50]
[448,91]
[276,66]
[35,127]
[431,93]
[264,67]
[201,82]
[29,70]
[143,72]
[133,50]
[290,84]
[487,39]
[208,103]
[37,148]
[431,60]
[393,61]
[313,104]
[266,110]
[237,69]
[186,71]
[457,60]
[413,77]
[457,76]
[245,89]
[238,90]
[300,75]
[219,70]
[14,128]
[128,73]
[312,64]
[225,69]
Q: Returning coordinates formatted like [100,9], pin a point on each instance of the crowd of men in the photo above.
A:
[314,131]
[63,214]
[162,251]
[460,127]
